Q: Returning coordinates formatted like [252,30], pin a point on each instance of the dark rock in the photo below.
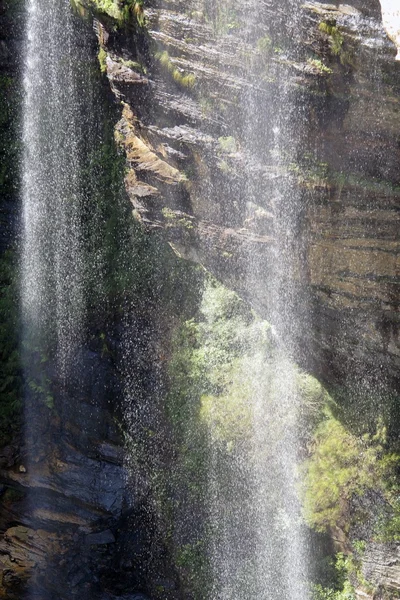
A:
[103,537]
[138,596]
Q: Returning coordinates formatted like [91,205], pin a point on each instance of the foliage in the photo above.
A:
[102,56]
[320,593]
[264,45]
[10,368]
[335,37]
[186,80]
[191,558]
[341,588]
[122,11]
[207,403]
[336,42]
[9,100]
[222,360]
[39,383]
[343,466]
[227,145]
[224,16]
[132,64]
[176,219]
[320,66]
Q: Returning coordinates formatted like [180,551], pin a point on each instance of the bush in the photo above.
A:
[343,466]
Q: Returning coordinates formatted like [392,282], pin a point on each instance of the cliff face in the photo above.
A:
[192,169]
[192,90]
[186,87]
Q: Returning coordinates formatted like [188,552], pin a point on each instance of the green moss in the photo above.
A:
[264,45]
[175,219]
[337,43]
[225,17]
[80,8]
[320,66]
[227,145]
[122,12]
[102,57]
[131,64]
[335,37]
[192,562]
[186,80]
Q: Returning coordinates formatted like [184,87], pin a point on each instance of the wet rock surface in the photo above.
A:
[192,170]
[381,568]
[194,175]
[72,521]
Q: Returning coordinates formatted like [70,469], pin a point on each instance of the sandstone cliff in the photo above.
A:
[187,89]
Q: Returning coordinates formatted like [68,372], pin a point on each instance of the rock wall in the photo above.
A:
[183,86]
[381,567]
[73,522]
[185,91]
[185,179]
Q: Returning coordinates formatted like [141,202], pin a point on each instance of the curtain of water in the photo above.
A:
[52,265]
[258,548]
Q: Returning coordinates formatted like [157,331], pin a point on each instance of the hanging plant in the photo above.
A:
[138,11]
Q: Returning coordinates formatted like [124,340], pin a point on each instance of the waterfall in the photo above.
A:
[52,262]
[260,548]
[62,269]
[256,548]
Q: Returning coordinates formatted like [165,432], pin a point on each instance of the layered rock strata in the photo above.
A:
[193,173]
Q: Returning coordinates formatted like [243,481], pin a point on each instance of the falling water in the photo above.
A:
[61,264]
[52,266]
[257,550]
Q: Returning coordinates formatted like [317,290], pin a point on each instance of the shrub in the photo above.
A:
[343,466]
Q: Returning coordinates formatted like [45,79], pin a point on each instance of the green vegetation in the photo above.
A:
[342,467]
[132,64]
[319,66]
[337,45]
[175,219]
[264,45]
[225,17]
[186,80]
[222,358]
[341,587]
[206,404]
[102,56]
[335,37]
[310,172]
[121,11]
[10,367]
[343,472]
[39,383]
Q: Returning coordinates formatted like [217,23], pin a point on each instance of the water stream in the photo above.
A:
[257,550]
